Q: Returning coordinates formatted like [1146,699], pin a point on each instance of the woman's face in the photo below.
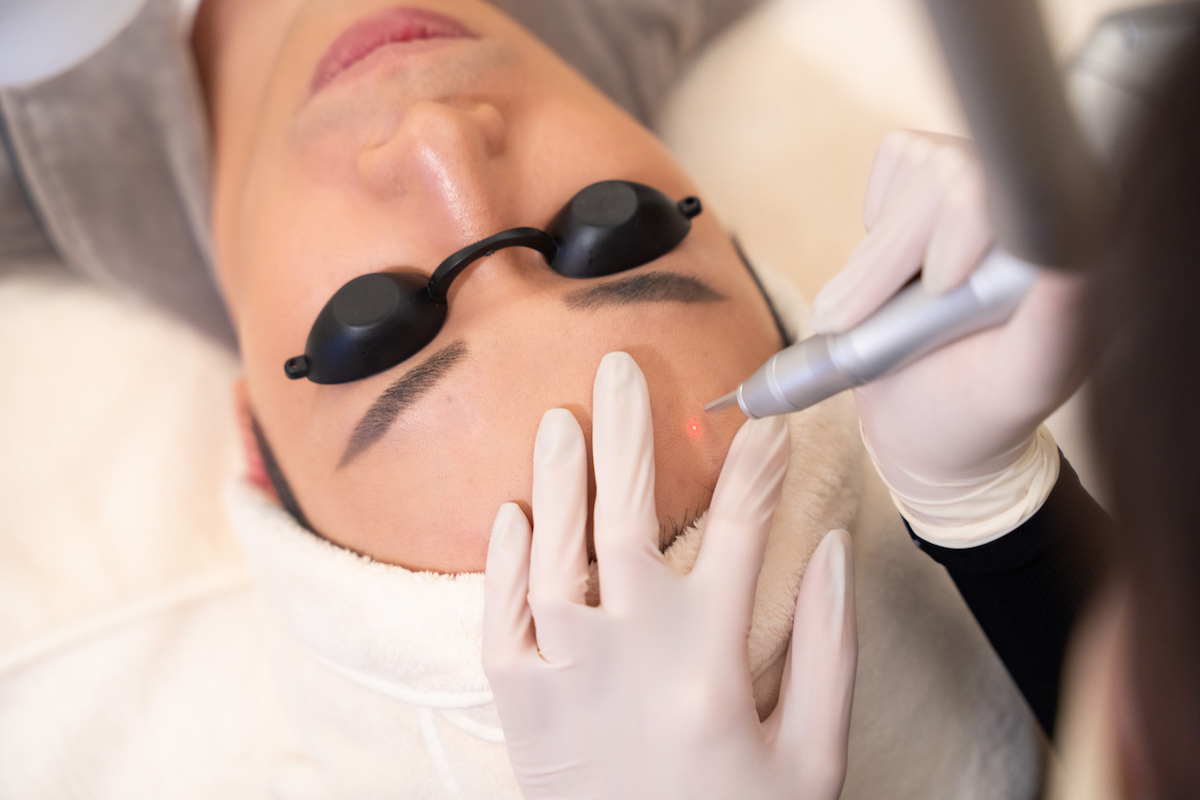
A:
[398,159]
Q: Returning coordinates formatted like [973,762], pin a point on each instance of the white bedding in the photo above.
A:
[116,422]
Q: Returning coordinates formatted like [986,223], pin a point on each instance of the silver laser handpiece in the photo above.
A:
[1015,108]
[912,324]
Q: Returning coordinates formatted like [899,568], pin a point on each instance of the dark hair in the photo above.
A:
[1146,419]
[784,337]
[283,489]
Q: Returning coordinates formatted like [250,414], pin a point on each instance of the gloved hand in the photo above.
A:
[648,695]
[955,435]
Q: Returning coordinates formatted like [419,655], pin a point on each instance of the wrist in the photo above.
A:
[969,511]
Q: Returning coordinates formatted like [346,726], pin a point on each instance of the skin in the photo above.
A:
[399,164]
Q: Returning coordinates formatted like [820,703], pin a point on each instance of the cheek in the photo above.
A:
[688,450]
[560,370]
[470,449]
[425,496]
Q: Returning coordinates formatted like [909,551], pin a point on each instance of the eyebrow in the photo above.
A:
[399,397]
[652,287]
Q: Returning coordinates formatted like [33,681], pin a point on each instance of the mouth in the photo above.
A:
[392,27]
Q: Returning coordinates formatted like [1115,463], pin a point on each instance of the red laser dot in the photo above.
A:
[693,428]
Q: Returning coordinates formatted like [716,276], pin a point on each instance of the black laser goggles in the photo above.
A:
[378,320]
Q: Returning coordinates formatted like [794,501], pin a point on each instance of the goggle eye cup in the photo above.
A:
[378,320]
[371,324]
[615,226]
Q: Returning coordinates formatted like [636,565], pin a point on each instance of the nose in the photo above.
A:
[444,164]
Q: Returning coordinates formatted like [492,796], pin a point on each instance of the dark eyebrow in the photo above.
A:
[651,287]
[399,396]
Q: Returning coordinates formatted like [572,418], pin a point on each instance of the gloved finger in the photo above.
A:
[558,569]
[886,259]
[739,517]
[897,156]
[917,165]
[818,684]
[913,153]
[1047,324]
[625,522]
[894,250]
[508,636]
[961,235]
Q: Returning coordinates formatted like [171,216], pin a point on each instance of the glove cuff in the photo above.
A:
[968,513]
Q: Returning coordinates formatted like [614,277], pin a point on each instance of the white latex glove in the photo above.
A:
[953,434]
[649,695]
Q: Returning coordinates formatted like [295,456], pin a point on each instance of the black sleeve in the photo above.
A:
[1027,588]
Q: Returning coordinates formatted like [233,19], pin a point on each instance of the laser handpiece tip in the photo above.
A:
[723,403]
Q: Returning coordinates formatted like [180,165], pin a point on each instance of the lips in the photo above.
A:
[392,26]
